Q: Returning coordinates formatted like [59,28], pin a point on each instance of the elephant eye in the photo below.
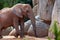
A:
[27,10]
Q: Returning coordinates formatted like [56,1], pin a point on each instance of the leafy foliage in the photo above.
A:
[56,30]
[9,3]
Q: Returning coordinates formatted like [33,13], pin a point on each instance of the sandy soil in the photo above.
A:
[26,38]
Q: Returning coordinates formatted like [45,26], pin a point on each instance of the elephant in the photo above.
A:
[14,16]
[41,28]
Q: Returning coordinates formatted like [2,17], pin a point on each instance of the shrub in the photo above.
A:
[56,30]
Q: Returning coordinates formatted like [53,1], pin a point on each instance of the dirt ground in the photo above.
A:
[26,38]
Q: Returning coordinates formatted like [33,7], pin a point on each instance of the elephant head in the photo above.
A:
[22,9]
[25,10]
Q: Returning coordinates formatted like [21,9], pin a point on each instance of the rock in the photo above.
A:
[7,31]
[37,18]
[35,10]
[41,28]
[55,17]
[27,25]
[13,32]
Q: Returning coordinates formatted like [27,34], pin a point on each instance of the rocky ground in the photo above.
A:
[26,38]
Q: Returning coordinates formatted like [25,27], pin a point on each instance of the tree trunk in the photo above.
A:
[55,17]
[45,9]
[35,2]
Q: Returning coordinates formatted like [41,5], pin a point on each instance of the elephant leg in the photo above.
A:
[0,31]
[15,22]
[22,27]
[32,18]
[1,34]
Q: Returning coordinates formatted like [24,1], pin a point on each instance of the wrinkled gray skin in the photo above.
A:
[41,28]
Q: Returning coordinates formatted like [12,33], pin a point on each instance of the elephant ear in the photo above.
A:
[18,12]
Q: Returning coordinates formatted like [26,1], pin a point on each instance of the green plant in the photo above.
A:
[9,3]
[56,30]
[25,39]
[49,38]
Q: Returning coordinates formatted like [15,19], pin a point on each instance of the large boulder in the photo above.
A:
[7,31]
[55,17]
[41,29]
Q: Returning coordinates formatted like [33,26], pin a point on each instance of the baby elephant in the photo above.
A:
[14,16]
